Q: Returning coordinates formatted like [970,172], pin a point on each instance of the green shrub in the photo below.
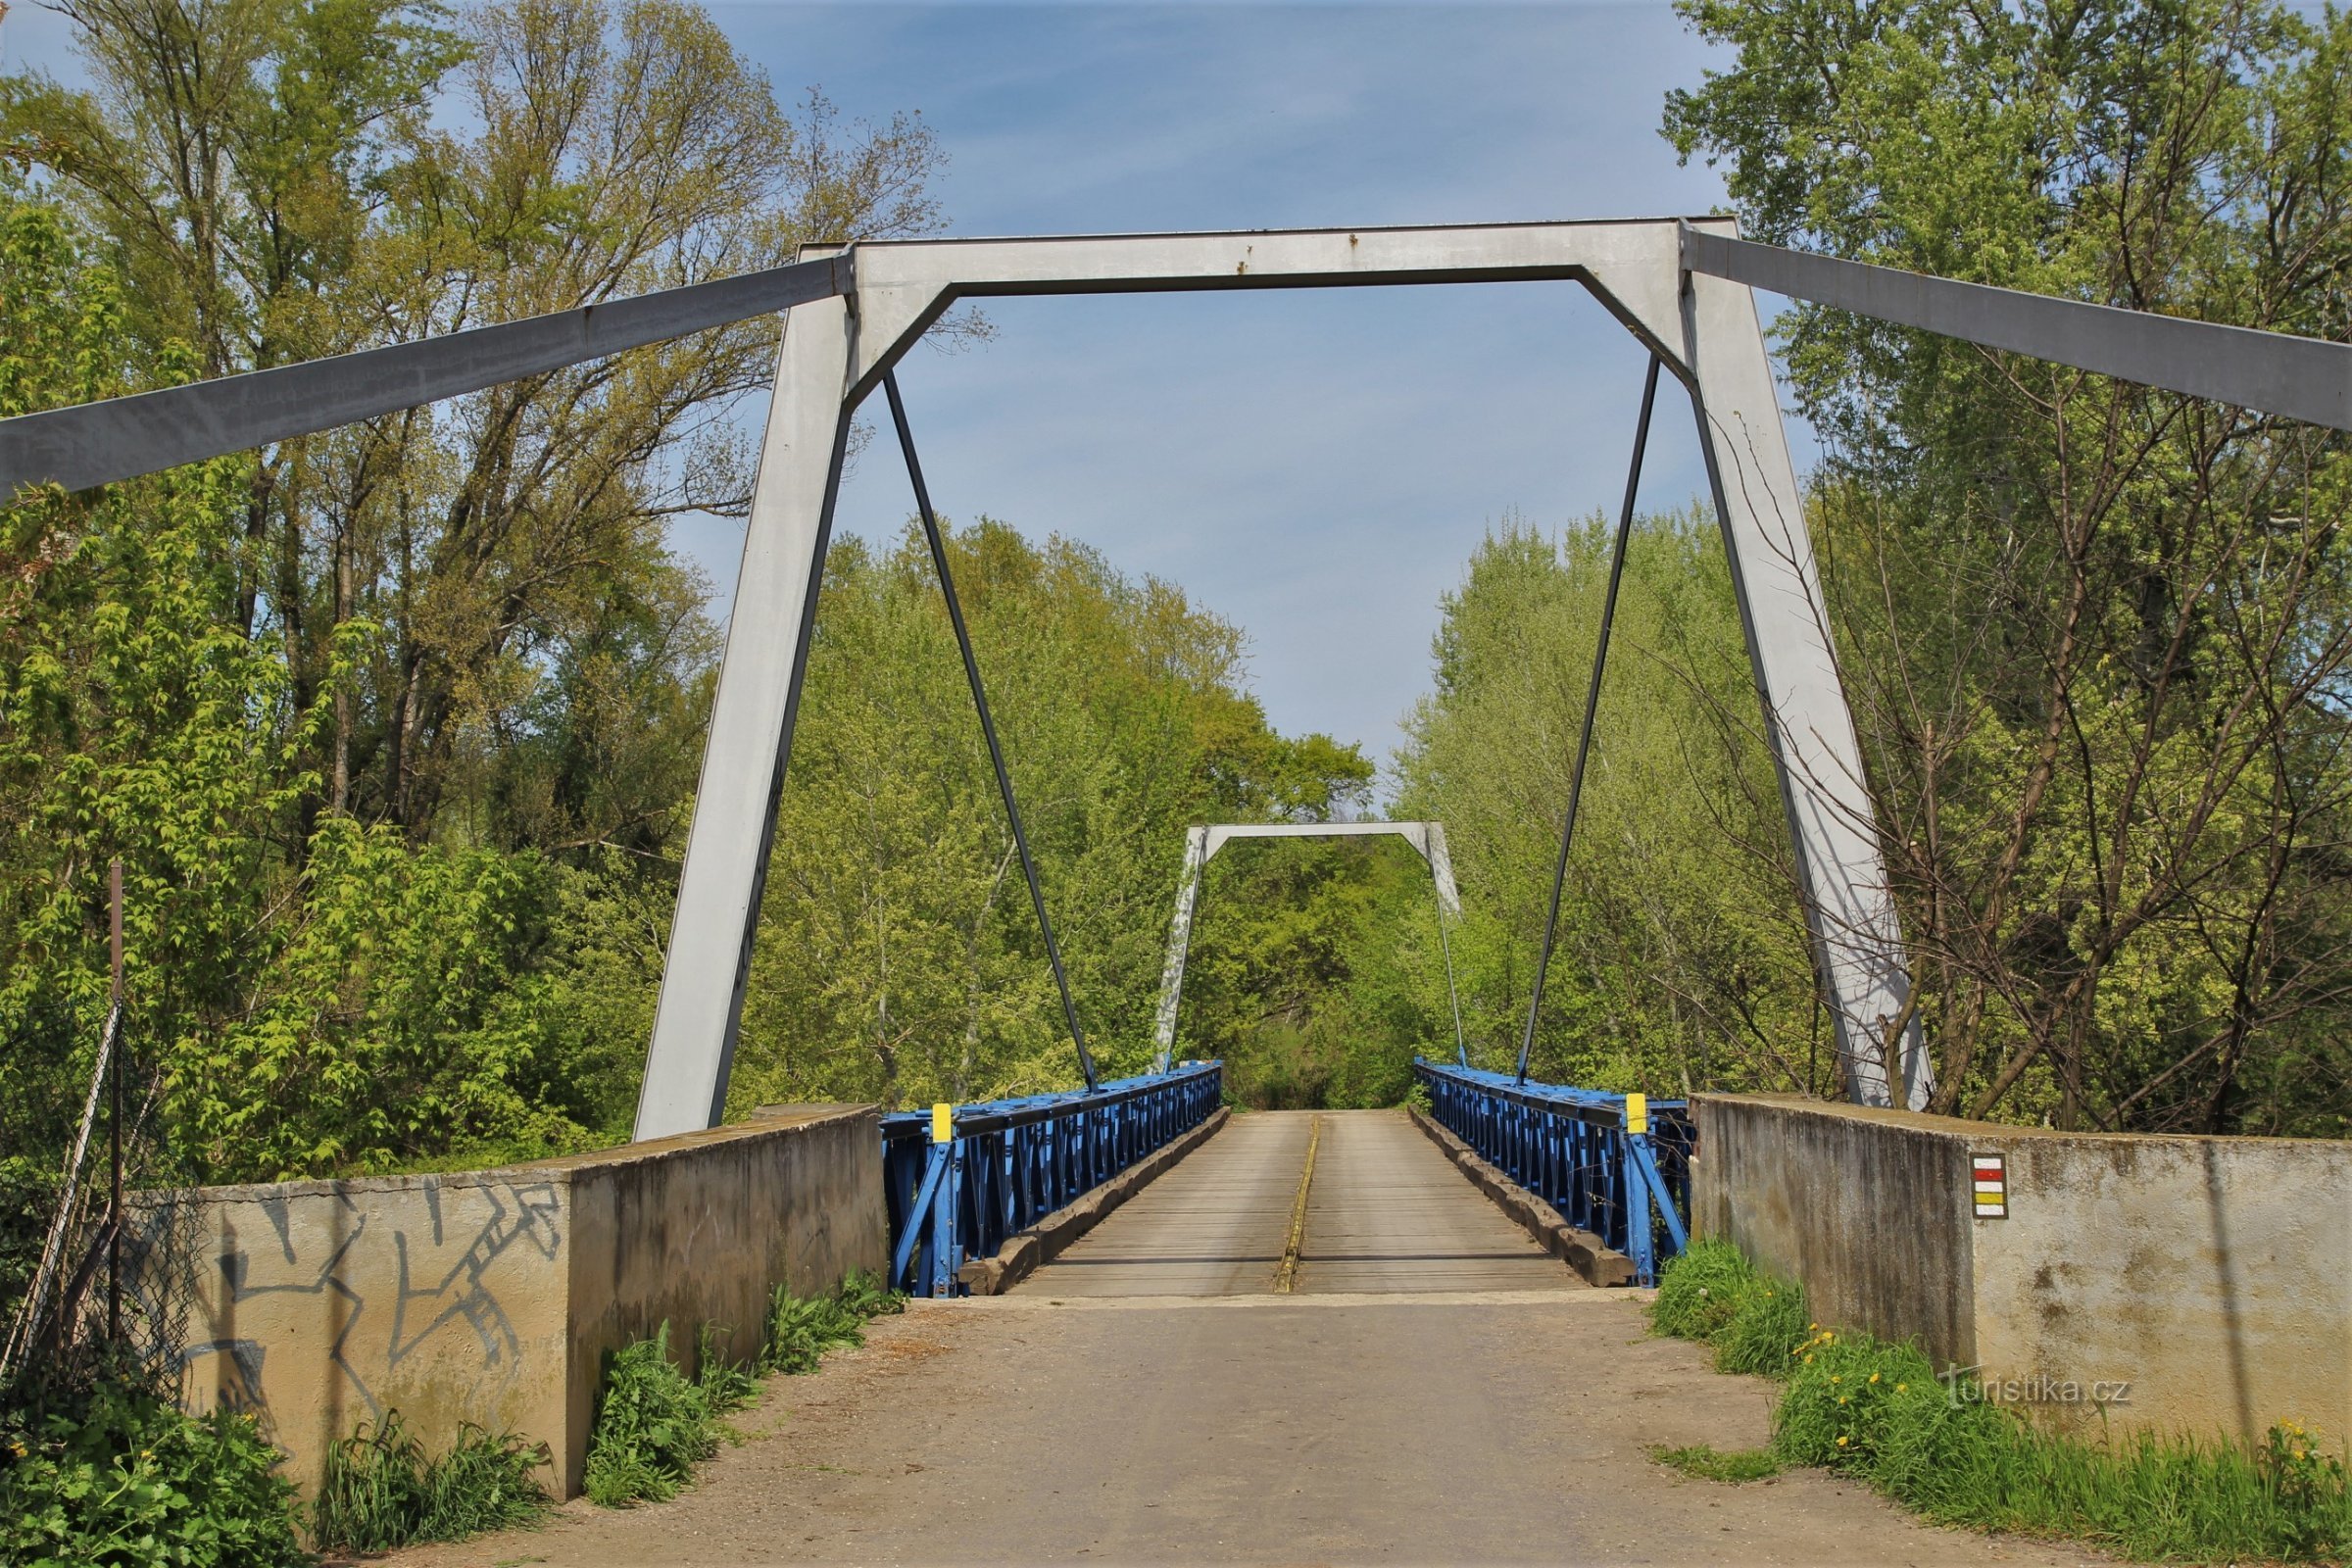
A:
[864,1293]
[653,1424]
[1764,1331]
[124,1478]
[1715,1296]
[380,1491]
[1876,1410]
[801,1331]
[726,1385]
[1879,1412]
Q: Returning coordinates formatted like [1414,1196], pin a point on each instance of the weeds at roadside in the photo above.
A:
[799,1331]
[380,1489]
[654,1424]
[114,1472]
[1710,1463]
[863,1293]
[1880,1412]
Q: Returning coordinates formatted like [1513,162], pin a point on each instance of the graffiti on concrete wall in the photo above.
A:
[395,1276]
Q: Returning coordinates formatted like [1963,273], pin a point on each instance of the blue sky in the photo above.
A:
[1315,466]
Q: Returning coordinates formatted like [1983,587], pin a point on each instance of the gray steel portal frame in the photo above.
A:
[1703,327]
[1201,845]
[1680,285]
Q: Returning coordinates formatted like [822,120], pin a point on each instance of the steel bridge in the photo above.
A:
[1148,1188]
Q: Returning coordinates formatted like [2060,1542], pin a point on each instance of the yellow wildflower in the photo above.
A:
[2298,1454]
[1900,1386]
[1874,1376]
[1842,1442]
[1834,1377]
[1814,1327]
[1841,1399]
[1808,1360]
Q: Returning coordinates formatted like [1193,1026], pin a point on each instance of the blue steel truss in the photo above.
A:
[1572,1149]
[1007,1163]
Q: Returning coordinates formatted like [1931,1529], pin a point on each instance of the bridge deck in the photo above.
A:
[1434,1392]
[1386,1213]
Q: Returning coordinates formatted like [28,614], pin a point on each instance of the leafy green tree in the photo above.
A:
[1681,958]
[897,957]
[2097,637]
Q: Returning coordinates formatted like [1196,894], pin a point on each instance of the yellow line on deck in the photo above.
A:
[1286,1278]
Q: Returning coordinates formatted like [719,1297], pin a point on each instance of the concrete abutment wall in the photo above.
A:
[2212,1276]
[494,1297]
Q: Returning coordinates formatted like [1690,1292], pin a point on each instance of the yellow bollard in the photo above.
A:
[1637,1113]
[943,1123]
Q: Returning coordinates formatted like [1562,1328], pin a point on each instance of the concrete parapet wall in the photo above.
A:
[2212,1276]
[493,1296]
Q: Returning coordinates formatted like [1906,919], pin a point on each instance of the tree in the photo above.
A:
[1682,960]
[2097,637]
[897,959]
[268,172]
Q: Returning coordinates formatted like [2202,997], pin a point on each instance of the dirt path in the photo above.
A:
[1497,1425]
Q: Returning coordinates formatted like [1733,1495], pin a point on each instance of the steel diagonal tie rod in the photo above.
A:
[1584,739]
[988,725]
[122,438]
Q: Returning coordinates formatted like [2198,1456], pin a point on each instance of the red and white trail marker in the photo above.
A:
[1991,1182]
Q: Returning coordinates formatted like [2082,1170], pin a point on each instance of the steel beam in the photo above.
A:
[1632,267]
[1857,942]
[2276,373]
[719,887]
[121,438]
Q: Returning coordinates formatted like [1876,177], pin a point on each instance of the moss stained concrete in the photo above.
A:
[2211,1278]
[493,1296]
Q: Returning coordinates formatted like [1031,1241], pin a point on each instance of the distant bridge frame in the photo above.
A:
[1201,842]
[1681,286]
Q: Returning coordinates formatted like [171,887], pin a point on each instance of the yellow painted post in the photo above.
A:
[943,1123]
[1637,1113]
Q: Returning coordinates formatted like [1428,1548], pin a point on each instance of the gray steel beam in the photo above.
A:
[701,1010]
[122,438]
[1857,941]
[2276,373]
[1631,265]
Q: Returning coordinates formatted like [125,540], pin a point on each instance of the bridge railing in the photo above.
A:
[961,1179]
[1622,1175]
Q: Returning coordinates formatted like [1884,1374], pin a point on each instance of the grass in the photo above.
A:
[799,1331]
[1879,1412]
[381,1490]
[654,1423]
[1710,1463]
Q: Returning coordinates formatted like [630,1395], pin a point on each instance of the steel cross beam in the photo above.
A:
[1201,845]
